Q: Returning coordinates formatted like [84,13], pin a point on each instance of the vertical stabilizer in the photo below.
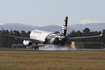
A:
[64,27]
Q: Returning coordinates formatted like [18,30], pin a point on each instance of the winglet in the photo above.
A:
[2,31]
[101,33]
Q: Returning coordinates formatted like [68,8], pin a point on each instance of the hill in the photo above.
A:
[52,28]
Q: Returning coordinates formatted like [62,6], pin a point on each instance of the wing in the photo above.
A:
[82,38]
[22,38]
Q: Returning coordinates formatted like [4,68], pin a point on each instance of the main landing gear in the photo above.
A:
[36,47]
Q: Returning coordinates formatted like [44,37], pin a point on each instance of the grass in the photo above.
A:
[51,60]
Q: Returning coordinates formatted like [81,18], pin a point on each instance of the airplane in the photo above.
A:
[45,37]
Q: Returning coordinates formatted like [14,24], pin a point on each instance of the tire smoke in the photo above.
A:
[55,47]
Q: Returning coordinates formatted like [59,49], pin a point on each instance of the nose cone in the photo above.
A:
[62,38]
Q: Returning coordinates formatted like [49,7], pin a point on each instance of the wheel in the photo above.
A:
[36,47]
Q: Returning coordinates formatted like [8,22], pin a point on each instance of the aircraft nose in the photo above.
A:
[61,38]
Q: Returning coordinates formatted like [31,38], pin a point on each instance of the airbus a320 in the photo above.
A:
[45,37]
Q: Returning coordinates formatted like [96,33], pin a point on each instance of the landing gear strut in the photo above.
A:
[36,47]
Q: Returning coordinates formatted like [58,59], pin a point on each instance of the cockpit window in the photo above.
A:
[56,32]
[60,35]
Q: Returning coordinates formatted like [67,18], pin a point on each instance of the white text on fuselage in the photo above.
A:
[37,32]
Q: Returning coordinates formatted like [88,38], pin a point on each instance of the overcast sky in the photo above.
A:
[52,12]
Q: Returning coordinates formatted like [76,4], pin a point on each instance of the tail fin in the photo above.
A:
[64,27]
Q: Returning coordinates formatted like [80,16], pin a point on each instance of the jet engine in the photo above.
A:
[27,43]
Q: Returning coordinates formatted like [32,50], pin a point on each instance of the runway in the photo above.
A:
[76,50]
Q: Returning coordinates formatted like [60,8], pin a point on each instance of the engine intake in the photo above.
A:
[27,43]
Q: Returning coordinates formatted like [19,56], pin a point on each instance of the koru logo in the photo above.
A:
[64,27]
[63,31]
[64,23]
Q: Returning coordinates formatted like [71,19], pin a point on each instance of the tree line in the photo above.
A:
[87,32]
[7,41]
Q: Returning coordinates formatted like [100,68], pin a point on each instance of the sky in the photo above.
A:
[52,12]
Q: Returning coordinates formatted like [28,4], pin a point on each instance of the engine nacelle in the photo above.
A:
[27,43]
